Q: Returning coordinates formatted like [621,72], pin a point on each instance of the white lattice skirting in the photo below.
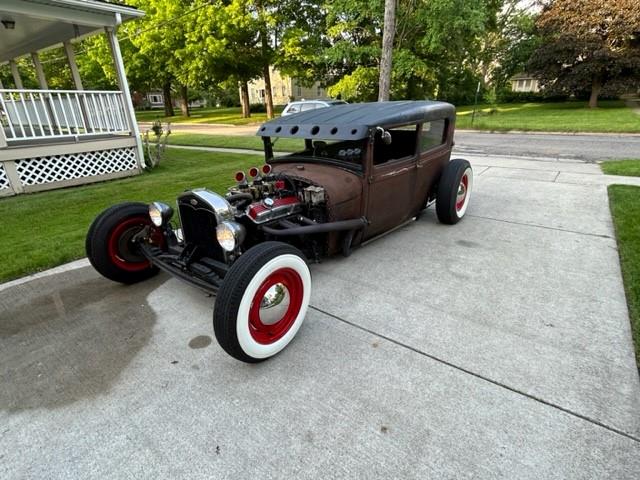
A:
[58,168]
[4,181]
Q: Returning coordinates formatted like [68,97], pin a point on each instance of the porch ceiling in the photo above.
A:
[41,24]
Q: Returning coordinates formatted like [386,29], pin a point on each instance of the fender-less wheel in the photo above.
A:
[109,244]
[262,302]
[454,191]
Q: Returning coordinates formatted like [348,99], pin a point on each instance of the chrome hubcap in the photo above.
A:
[462,192]
[274,304]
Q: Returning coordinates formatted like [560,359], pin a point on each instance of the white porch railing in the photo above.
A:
[52,114]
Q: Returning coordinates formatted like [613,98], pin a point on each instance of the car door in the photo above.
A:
[433,155]
[391,178]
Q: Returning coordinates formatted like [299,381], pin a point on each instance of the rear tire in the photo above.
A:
[109,247]
[262,302]
[454,191]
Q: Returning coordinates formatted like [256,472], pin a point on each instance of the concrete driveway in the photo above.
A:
[497,348]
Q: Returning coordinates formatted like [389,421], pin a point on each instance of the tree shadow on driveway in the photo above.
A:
[68,337]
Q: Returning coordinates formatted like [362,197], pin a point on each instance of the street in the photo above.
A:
[584,147]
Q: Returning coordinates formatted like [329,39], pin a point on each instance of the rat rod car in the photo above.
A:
[361,170]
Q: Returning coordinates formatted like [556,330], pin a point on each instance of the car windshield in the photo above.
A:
[348,153]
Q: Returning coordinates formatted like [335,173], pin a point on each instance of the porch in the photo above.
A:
[57,138]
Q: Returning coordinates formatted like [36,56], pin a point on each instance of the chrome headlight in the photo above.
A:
[230,235]
[160,213]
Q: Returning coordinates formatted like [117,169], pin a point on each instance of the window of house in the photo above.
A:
[261,93]
[319,92]
[432,135]
[284,91]
[299,91]
[155,98]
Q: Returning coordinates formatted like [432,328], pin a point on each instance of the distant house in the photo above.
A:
[284,89]
[524,82]
[155,99]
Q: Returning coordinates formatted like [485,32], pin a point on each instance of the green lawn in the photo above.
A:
[228,116]
[630,168]
[233,141]
[624,201]
[45,229]
[611,116]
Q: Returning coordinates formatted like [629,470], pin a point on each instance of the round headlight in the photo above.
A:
[230,235]
[160,213]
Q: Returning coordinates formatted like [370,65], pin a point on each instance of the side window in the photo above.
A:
[308,106]
[294,108]
[432,134]
[403,144]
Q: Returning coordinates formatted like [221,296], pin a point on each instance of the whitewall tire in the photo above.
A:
[262,302]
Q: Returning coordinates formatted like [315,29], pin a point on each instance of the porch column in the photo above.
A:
[42,80]
[71,58]
[123,84]
[16,74]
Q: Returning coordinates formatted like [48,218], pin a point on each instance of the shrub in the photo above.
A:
[257,108]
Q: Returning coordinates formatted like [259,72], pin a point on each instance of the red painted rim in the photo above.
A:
[267,334]
[127,228]
[464,182]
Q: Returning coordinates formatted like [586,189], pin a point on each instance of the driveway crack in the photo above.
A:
[481,377]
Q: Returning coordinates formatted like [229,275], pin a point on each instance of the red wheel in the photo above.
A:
[110,245]
[275,306]
[262,301]
[122,251]
[462,197]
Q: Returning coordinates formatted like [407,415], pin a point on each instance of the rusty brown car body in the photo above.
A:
[360,171]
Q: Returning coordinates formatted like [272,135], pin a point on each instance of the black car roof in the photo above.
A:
[354,121]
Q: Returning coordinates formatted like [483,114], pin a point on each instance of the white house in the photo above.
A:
[56,138]
[524,82]
[284,89]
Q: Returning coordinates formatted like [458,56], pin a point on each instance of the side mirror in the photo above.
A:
[385,136]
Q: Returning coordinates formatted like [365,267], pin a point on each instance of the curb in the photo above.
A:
[65,267]
[536,132]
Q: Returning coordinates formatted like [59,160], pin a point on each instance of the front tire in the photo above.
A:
[454,191]
[262,302]
[109,243]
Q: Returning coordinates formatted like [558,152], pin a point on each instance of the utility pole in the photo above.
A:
[387,50]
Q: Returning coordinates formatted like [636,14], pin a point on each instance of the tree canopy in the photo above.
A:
[588,45]
[441,48]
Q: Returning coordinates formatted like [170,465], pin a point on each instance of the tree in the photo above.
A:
[434,43]
[589,45]
[387,50]
[517,40]
[223,45]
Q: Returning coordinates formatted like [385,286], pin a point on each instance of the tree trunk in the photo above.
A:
[596,86]
[244,99]
[384,84]
[268,97]
[184,101]
[168,104]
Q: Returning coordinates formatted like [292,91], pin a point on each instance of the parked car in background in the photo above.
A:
[360,171]
[306,105]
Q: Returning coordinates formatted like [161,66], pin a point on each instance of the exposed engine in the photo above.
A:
[268,197]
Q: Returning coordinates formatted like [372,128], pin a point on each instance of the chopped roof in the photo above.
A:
[354,121]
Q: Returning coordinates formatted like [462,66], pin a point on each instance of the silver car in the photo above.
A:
[306,105]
